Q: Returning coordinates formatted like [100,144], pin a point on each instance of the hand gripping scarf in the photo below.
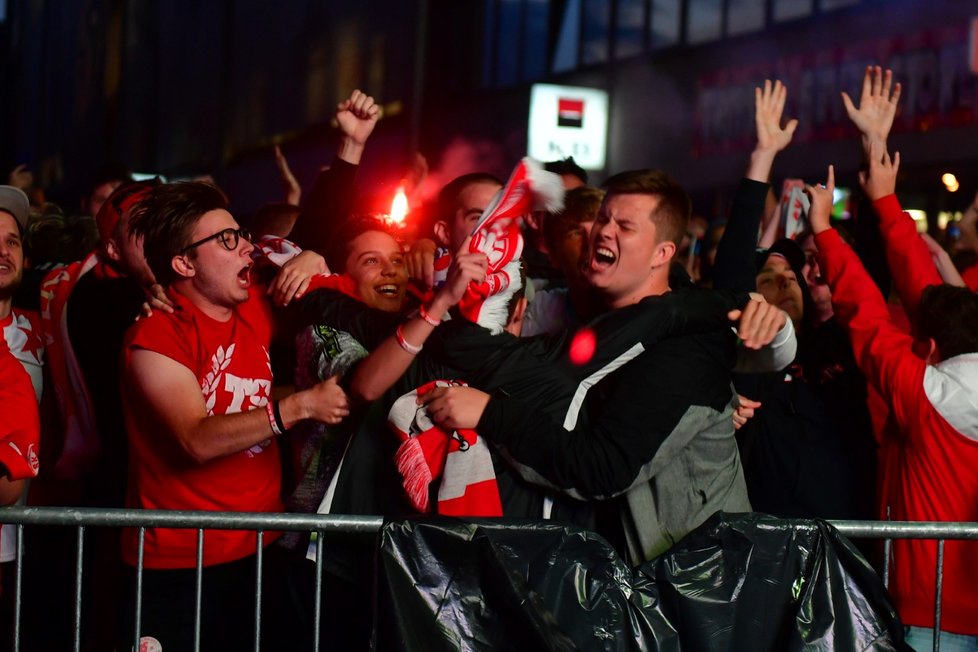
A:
[497,235]
[460,459]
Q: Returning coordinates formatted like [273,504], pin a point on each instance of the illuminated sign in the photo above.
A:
[568,121]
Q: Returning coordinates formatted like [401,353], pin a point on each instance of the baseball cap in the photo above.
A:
[14,201]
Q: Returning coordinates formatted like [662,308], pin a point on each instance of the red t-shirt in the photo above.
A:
[22,333]
[230,361]
[20,425]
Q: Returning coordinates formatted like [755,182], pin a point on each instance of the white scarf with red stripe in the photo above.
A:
[460,459]
[497,235]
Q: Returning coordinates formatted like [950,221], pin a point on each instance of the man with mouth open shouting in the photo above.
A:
[648,437]
[201,421]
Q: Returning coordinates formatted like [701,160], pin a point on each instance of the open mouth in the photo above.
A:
[604,256]
[244,276]
[388,290]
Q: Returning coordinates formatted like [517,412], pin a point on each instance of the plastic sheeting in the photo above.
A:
[738,582]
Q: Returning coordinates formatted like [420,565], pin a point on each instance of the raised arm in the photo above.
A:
[877,107]
[290,187]
[942,261]
[873,118]
[909,259]
[331,198]
[384,366]
[882,351]
[734,268]
[771,136]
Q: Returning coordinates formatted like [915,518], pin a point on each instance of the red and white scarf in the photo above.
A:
[460,459]
[497,235]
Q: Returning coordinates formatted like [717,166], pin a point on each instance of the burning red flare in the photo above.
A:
[399,206]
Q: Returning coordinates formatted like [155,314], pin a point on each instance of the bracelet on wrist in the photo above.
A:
[273,420]
[277,413]
[404,344]
[423,313]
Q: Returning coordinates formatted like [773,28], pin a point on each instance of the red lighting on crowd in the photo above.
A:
[582,346]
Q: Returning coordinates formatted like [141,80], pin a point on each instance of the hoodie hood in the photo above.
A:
[952,388]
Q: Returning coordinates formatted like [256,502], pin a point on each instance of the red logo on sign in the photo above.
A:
[570,113]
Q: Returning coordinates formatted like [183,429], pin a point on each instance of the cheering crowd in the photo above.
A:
[537,348]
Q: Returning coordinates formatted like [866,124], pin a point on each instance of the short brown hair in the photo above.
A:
[671,216]
[447,201]
[580,205]
[165,220]
[949,315]
[350,230]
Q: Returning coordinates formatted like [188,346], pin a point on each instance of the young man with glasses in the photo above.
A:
[201,421]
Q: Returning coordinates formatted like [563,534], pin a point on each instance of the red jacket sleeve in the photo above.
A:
[910,262]
[20,431]
[883,352]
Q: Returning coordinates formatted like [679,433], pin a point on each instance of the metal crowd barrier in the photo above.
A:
[81,518]
[322,524]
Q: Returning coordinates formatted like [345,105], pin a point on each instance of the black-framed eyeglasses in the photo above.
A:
[228,238]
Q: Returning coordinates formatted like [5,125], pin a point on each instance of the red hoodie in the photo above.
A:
[932,464]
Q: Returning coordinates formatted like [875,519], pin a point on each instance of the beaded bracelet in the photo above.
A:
[272,421]
[407,346]
[427,317]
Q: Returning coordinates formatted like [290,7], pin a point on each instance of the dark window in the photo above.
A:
[828,5]
[791,9]
[508,43]
[744,16]
[535,34]
[594,35]
[630,30]
[565,57]
[704,20]
[664,19]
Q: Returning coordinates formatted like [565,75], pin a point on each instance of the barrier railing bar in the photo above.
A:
[140,547]
[198,588]
[341,524]
[318,597]
[79,560]
[938,586]
[18,579]
[903,529]
[104,517]
[260,540]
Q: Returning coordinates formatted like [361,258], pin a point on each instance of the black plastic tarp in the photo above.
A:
[738,582]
